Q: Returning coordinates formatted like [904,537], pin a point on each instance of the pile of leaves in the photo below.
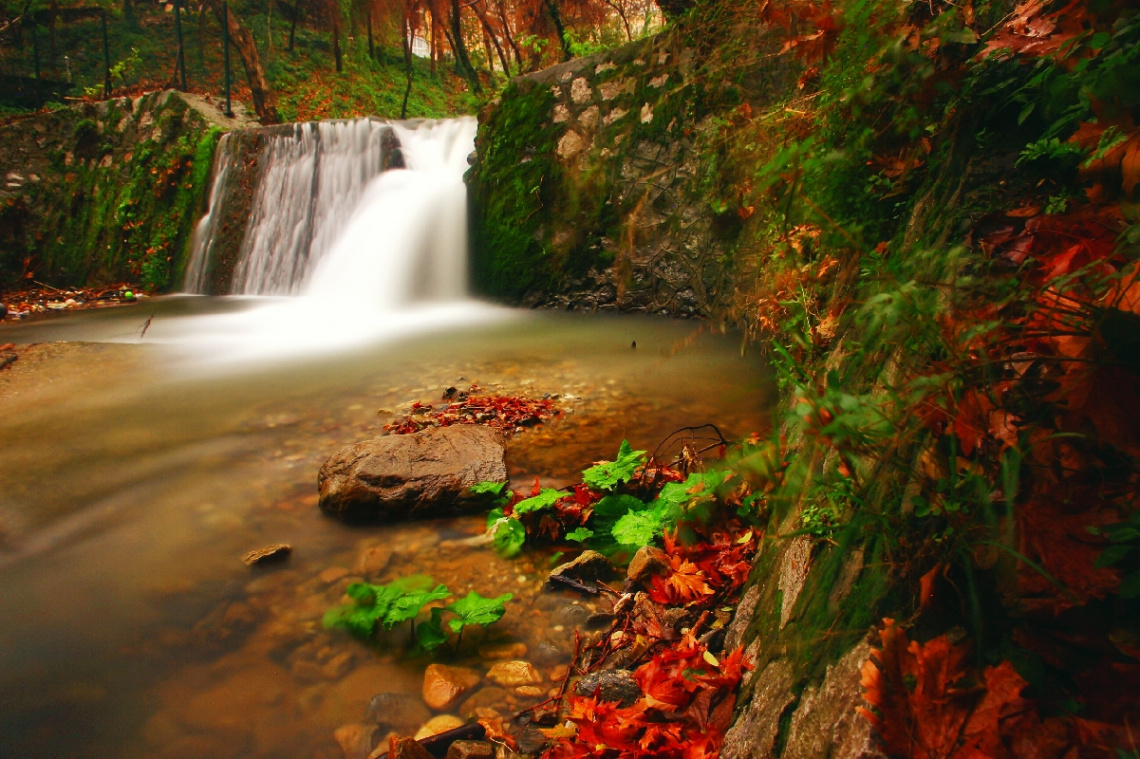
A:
[620,505]
[41,299]
[382,607]
[510,413]
[669,630]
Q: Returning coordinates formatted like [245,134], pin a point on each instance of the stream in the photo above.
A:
[145,449]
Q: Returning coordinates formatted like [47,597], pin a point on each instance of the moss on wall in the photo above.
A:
[112,192]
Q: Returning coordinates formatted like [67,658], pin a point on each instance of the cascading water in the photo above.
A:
[366,254]
[207,233]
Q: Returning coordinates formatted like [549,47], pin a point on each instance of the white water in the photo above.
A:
[207,231]
[370,256]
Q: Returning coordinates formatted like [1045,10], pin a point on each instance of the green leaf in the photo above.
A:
[508,536]
[429,633]
[410,605]
[1130,586]
[638,528]
[476,610]
[580,534]
[609,474]
[544,500]
[493,488]
[616,506]
[411,584]
[1111,555]
[495,515]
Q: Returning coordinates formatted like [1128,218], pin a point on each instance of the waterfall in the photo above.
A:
[207,233]
[367,246]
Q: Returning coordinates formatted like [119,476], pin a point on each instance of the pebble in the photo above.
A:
[402,711]
[516,650]
[612,685]
[470,750]
[268,554]
[444,685]
[355,740]
[439,724]
[514,673]
[332,574]
[373,561]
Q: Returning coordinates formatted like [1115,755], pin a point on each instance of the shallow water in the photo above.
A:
[136,474]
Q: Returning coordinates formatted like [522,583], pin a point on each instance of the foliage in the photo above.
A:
[606,475]
[509,413]
[385,606]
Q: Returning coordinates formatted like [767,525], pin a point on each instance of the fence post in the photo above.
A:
[181,47]
[226,46]
[106,56]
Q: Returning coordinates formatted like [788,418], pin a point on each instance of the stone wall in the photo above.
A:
[105,192]
[592,189]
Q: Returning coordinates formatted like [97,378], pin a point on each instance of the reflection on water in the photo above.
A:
[132,486]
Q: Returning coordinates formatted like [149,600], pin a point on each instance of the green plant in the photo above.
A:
[385,606]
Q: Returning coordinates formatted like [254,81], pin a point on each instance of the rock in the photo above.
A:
[470,750]
[268,554]
[407,748]
[648,561]
[587,568]
[486,698]
[444,685]
[610,685]
[332,574]
[515,650]
[531,740]
[514,673]
[437,725]
[570,616]
[355,740]
[373,561]
[530,691]
[401,711]
[426,474]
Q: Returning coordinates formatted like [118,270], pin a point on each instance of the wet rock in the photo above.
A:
[530,691]
[515,650]
[549,652]
[407,748]
[372,561]
[531,740]
[437,725]
[486,698]
[268,554]
[355,740]
[588,568]
[426,474]
[613,685]
[444,685]
[570,616]
[332,574]
[401,711]
[471,750]
[514,673]
[648,561]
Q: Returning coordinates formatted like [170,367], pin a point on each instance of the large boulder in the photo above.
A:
[418,476]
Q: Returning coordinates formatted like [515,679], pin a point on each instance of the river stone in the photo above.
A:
[471,750]
[355,740]
[407,748]
[512,673]
[587,568]
[648,561]
[610,685]
[268,554]
[439,724]
[423,475]
[401,711]
[444,685]
[485,698]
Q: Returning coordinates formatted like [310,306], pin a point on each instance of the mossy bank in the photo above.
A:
[104,192]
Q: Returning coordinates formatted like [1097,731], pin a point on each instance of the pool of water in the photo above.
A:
[137,472]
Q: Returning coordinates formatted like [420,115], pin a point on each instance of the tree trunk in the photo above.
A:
[510,38]
[409,38]
[556,17]
[242,40]
[334,17]
[460,48]
[488,32]
[293,25]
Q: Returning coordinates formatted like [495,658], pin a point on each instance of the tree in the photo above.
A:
[242,39]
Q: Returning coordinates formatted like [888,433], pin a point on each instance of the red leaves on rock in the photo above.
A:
[720,564]
[928,704]
[686,707]
[509,413]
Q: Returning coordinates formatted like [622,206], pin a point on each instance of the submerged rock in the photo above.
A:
[422,475]
[444,685]
[268,554]
[513,673]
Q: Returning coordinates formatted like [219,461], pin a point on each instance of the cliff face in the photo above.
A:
[104,192]
[592,189]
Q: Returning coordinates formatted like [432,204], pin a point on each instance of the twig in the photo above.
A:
[573,584]
[44,284]
[146,326]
